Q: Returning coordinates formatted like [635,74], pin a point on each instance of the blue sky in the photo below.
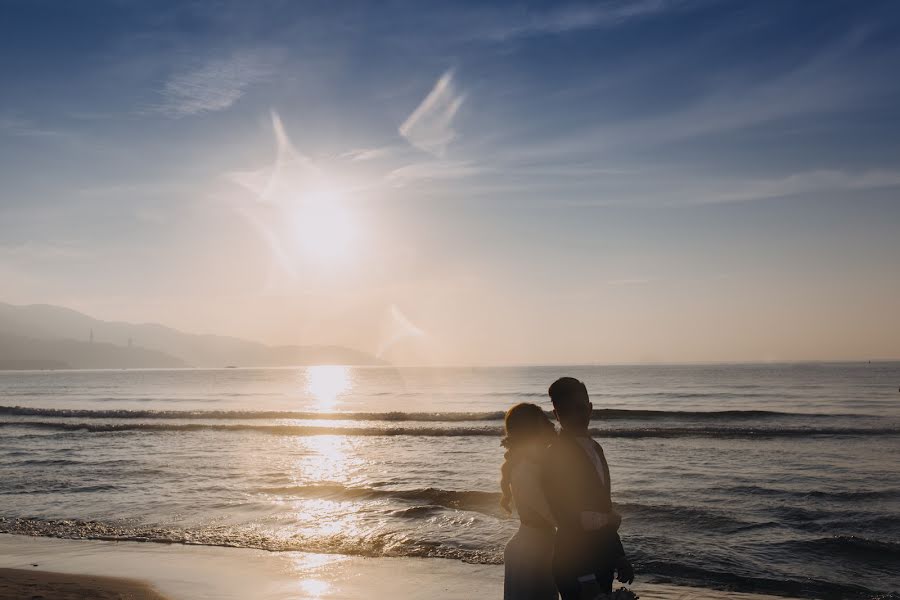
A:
[527,182]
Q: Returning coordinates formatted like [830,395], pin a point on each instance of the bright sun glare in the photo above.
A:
[304,213]
[325,229]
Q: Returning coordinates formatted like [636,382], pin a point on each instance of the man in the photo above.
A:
[575,478]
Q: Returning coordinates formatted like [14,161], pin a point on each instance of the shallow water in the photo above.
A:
[779,478]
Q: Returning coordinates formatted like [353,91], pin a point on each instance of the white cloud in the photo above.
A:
[431,171]
[135,189]
[367,153]
[17,126]
[215,85]
[13,124]
[565,18]
[666,188]
[809,182]
[831,80]
[429,127]
[622,282]
[39,251]
[691,190]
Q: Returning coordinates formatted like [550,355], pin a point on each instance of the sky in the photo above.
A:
[462,182]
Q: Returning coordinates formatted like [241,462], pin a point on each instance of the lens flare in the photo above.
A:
[303,211]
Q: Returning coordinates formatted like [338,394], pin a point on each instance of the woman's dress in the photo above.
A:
[528,556]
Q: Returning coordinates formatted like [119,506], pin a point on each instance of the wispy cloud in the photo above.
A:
[430,126]
[564,18]
[214,85]
[693,190]
[17,126]
[366,153]
[133,189]
[40,251]
[808,182]
[826,83]
[834,79]
[628,282]
[433,170]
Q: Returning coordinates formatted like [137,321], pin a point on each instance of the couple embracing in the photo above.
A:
[568,541]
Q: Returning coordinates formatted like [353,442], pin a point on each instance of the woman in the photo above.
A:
[529,554]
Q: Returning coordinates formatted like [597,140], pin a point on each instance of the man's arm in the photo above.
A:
[553,484]
[624,570]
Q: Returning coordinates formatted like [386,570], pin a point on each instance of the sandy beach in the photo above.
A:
[68,569]
[34,584]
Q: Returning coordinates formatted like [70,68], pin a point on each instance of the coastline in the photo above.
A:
[177,572]
[21,583]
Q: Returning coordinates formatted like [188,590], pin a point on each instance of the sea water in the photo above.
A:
[781,478]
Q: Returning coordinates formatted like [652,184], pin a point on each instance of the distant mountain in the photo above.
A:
[18,352]
[41,332]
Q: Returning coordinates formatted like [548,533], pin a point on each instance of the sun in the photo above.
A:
[324,228]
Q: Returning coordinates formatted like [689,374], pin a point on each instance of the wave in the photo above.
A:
[681,570]
[685,573]
[425,500]
[854,494]
[688,516]
[303,430]
[25,488]
[472,500]
[852,547]
[488,503]
[376,544]
[609,414]
[837,495]
[251,415]
[286,430]
[724,395]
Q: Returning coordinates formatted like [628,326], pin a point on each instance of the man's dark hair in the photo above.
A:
[567,393]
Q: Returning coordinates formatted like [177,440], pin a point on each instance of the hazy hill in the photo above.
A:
[22,327]
[18,352]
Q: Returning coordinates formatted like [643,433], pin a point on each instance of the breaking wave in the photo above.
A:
[610,414]
[478,431]
[386,544]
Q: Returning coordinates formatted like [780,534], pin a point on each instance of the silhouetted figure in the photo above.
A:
[575,479]
[528,556]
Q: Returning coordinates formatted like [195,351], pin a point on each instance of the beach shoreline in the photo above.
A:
[407,465]
[141,571]
[35,583]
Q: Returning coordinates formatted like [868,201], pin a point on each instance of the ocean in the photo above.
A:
[778,478]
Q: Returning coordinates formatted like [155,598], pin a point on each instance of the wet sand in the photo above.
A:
[20,584]
[70,569]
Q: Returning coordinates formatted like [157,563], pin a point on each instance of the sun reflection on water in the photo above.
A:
[325,383]
[314,588]
[323,514]
[328,459]
[311,571]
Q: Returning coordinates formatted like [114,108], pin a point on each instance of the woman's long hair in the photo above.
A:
[523,424]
